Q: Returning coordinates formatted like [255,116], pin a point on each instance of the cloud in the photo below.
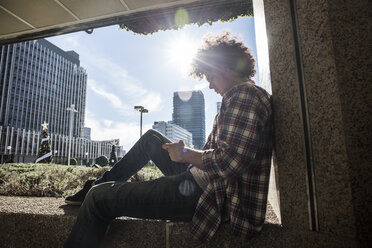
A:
[107,123]
[127,132]
[151,101]
[113,99]
[202,85]
[125,86]
[68,42]
[102,68]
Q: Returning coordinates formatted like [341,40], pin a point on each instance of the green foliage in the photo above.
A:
[192,13]
[102,161]
[149,172]
[54,180]
[85,162]
[51,180]
[73,161]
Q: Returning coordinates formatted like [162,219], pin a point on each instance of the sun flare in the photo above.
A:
[181,53]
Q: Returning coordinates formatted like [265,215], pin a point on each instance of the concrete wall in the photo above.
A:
[320,67]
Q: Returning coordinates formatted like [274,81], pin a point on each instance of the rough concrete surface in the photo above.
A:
[46,222]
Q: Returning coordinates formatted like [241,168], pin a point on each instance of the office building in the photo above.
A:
[38,82]
[218,106]
[86,133]
[189,113]
[174,132]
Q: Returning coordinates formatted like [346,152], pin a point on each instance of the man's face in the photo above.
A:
[217,82]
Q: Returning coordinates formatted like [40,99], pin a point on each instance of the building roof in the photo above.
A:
[22,20]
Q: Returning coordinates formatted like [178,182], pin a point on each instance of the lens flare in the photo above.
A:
[185,95]
[186,187]
[181,17]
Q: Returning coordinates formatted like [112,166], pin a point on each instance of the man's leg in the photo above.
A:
[148,147]
[167,198]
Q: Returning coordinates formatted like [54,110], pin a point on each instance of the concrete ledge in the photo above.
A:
[46,222]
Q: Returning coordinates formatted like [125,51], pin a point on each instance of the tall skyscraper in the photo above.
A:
[218,106]
[86,133]
[189,113]
[38,81]
[174,132]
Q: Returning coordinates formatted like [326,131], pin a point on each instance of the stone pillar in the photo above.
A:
[320,72]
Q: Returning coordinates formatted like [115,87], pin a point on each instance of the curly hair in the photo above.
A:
[223,51]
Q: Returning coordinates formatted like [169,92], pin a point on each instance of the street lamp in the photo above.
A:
[86,154]
[9,149]
[55,155]
[141,110]
[73,111]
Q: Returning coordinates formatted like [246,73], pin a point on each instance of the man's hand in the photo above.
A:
[179,153]
[176,151]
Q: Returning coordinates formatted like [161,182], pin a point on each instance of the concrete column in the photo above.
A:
[320,72]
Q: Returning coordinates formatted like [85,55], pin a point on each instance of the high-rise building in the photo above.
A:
[174,132]
[86,133]
[189,113]
[38,82]
[218,106]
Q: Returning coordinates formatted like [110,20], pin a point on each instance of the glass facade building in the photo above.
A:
[38,81]
[189,113]
[218,106]
[174,132]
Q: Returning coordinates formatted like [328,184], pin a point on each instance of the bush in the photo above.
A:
[55,180]
[50,180]
[73,161]
[102,161]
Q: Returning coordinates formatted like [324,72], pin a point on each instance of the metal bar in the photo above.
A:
[310,178]
[14,15]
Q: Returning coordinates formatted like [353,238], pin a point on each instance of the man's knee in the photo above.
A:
[95,202]
[153,134]
[96,193]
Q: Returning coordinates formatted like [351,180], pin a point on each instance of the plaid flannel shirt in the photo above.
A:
[237,159]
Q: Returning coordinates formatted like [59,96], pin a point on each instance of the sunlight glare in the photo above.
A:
[181,53]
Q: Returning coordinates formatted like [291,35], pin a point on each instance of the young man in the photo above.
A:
[225,181]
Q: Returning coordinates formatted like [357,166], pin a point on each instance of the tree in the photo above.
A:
[45,154]
[113,158]
[73,161]
[102,161]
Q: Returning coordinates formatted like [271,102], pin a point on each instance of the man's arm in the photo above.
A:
[239,136]
[179,153]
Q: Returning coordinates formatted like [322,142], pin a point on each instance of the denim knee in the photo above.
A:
[151,134]
[94,201]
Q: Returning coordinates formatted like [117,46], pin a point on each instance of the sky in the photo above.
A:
[126,69]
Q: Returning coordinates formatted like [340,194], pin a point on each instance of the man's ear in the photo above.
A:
[228,73]
[231,73]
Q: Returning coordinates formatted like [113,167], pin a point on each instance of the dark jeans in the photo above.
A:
[173,197]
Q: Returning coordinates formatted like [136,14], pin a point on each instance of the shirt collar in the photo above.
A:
[228,94]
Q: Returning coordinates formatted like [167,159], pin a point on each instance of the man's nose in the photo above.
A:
[210,86]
